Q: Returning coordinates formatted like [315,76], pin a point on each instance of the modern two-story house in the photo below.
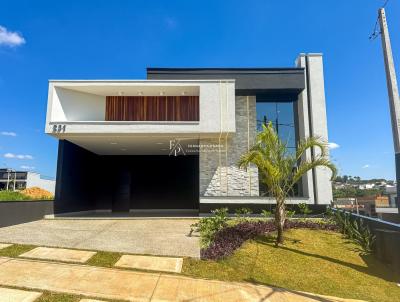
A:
[172,142]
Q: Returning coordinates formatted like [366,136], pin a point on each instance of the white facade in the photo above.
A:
[76,112]
[78,107]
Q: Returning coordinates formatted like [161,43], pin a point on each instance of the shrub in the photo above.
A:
[290,214]
[355,230]
[266,213]
[229,239]
[209,226]
[243,212]
[304,209]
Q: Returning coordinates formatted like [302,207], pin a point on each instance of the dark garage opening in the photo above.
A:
[88,182]
[154,182]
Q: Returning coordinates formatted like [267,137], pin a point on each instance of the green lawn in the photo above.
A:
[320,262]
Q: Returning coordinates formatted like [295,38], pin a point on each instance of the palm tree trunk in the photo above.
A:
[280,217]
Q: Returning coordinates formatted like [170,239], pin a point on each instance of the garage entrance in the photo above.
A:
[154,182]
[88,182]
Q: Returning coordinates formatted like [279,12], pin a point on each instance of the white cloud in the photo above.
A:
[333,145]
[18,156]
[7,133]
[366,166]
[27,167]
[10,38]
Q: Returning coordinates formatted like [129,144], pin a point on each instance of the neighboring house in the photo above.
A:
[172,142]
[366,186]
[20,180]
[391,191]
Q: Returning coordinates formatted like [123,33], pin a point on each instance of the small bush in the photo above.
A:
[229,239]
[209,226]
[243,212]
[290,214]
[355,230]
[266,213]
[304,209]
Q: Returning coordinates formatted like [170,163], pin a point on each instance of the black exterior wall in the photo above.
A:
[76,170]
[87,182]
[249,81]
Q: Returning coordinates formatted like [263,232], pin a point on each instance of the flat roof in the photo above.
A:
[249,81]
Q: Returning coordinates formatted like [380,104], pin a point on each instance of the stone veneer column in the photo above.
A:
[219,173]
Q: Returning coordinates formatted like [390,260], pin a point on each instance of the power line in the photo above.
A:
[377,31]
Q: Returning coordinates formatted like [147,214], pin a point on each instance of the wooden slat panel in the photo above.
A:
[152,108]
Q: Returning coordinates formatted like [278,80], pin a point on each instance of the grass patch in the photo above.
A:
[13,196]
[316,261]
[56,297]
[104,259]
[15,250]
[59,297]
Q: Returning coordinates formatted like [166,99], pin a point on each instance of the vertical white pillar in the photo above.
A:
[304,131]
[318,123]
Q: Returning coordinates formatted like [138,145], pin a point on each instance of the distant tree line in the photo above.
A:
[356,180]
[355,192]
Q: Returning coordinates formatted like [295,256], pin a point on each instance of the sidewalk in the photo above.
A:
[136,286]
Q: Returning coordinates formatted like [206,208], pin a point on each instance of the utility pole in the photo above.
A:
[393,91]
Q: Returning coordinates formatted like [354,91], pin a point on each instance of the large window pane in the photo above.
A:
[281,114]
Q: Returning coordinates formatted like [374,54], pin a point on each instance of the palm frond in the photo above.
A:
[311,142]
[306,166]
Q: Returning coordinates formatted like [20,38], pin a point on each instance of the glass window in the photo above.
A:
[281,113]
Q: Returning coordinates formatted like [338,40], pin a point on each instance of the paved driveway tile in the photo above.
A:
[59,254]
[17,295]
[164,264]
[166,237]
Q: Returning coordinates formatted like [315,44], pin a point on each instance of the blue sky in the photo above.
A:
[119,39]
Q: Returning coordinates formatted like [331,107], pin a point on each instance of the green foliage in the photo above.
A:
[209,226]
[13,196]
[266,213]
[280,169]
[304,209]
[243,212]
[290,214]
[356,230]
[355,192]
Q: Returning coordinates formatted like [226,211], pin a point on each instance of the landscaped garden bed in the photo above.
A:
[328,256]
[227,240]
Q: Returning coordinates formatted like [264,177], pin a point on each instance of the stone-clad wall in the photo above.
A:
[219,174]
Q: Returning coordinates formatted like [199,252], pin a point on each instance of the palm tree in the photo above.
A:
[280,169]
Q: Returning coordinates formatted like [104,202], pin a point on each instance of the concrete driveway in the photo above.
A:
[136,236]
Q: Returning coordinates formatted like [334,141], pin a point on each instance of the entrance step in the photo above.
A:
[152,263]
[4,245]
[58,254]
[17,295]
